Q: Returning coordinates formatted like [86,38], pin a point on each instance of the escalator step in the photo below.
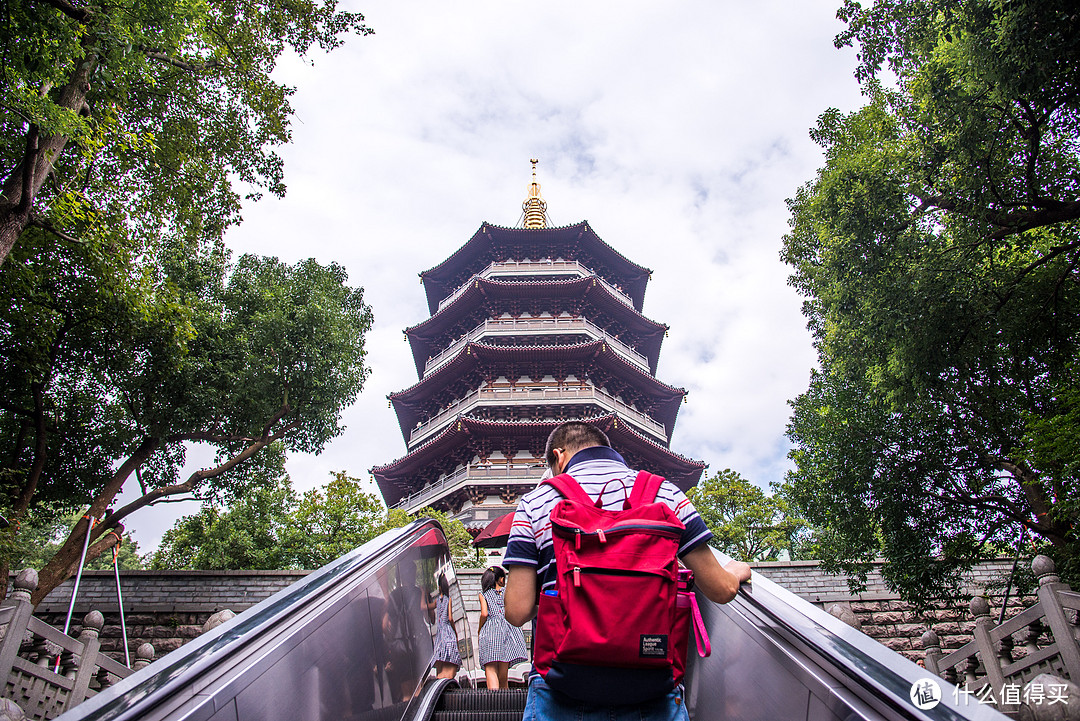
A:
[512,699]
[507,715]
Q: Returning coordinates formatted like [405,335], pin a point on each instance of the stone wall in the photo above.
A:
[164,608]
[168,608]
[879,613]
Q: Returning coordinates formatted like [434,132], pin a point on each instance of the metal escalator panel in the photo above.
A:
[351,640]
[777,657]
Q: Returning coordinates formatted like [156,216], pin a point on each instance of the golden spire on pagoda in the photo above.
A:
[534,206]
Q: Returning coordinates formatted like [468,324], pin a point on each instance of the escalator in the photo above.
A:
[324,649]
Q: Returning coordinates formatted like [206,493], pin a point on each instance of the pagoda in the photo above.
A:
[529,327]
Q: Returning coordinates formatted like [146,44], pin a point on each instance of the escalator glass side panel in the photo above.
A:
[350,640]
[842,670]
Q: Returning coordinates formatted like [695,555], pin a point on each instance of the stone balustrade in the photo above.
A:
[169,608]
[46,671]
[1003,661]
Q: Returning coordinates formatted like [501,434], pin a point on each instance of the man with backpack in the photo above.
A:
[591,555]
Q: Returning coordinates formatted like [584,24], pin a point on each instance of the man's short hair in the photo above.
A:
[573,436]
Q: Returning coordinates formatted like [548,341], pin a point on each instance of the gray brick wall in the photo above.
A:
[164,608]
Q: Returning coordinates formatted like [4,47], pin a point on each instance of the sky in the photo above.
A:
[677,130]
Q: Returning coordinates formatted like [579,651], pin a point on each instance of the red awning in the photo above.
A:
[496,533]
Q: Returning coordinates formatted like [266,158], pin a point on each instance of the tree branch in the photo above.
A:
[37,221]
[285,408]
[75,13]
[181,64]
[29,163]
[1008,223]
[196,478]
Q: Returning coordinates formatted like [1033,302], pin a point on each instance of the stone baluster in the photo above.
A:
[86,663]
[102,680]
[143,656]
[42,652]
[971,670]
[67,663]
[1005,651]
[25,584]
[980,609]
[932,644]
[1049,586]
[1031,638]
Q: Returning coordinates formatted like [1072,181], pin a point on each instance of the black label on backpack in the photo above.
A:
[654,645]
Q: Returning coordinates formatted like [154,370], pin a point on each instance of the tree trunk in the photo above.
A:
[66,560]
[21,186]
[61,571]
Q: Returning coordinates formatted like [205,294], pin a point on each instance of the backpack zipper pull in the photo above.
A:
[577,540]
[577,575]
[600,535]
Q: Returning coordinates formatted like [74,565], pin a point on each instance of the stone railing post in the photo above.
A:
[143,656]
[932,644]
[25,584]
[217,619]
[980,609]
[11,711]
[86,662]
[1049,585]
[1040,705]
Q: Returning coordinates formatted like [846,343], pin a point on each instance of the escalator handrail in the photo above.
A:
[138,694]
[876,674]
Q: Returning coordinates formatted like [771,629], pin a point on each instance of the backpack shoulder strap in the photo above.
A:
[569,488]
[646,486]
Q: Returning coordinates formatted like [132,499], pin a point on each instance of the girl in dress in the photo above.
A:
[447,657]
[500,643]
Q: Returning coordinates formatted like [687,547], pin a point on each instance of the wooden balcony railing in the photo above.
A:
[532,395]
[510,326]
[554,267]
[473,475]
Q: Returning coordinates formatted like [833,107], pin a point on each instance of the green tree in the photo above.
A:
[245,536]
[329,522]
[938,249]
[271,528]
[255,359]
[124,123]
[41,534]
[747,524]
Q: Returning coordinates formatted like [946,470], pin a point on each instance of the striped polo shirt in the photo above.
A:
[597,469]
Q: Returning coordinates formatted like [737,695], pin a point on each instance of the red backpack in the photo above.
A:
[615,628]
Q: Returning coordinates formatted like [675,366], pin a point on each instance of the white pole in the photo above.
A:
[120,600]
[78,578]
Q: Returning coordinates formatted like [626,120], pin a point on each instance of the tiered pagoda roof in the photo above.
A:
[477,361]
[493,244]
[468,437]
[484,298]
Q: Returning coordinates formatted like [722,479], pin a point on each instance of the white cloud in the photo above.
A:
[676,130]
